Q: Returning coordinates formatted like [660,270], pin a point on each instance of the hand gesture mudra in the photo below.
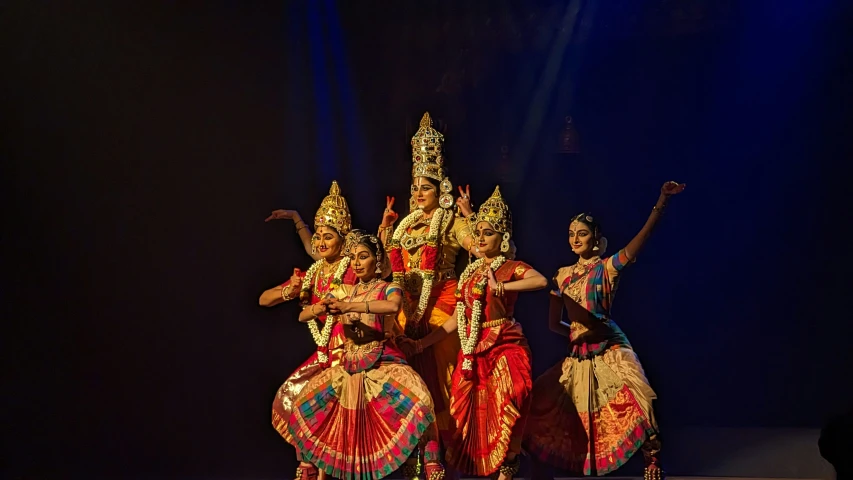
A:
[319,309]
[283,215]
[389,216]
[464,201]
[336,307]
[296,280]
[493,282]
[672,188]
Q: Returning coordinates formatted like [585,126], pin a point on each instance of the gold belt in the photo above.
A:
[439,276]
[351,347]
[497,323]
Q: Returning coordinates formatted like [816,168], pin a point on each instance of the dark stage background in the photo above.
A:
[145,143]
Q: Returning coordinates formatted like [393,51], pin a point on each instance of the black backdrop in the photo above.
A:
[144,145]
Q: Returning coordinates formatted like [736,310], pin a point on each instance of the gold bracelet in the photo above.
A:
[659,209]
[286,296]
[366,307]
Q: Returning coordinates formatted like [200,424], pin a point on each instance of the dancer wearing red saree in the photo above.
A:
[362,418]
[593,411]
[324,278]
[492,381]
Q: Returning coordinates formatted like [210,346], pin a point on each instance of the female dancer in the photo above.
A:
[325,277]
[593,411]
[362,418]
[423,251]
[492,380]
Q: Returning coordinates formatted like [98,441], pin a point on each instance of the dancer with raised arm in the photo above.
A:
[423,250]
[325,278]
[591,412]
[492,380]
[364,417]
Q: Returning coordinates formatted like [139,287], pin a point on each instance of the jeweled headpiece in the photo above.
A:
[497,213]
[428,159]
[334,212]
[427,155]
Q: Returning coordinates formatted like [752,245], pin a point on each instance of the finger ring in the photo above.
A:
[465,197]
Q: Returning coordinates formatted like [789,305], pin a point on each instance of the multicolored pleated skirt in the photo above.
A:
[591,412]
[361,419]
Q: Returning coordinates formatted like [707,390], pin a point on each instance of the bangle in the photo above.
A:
[500,290]
[419,347]
[366,307]
[286,296]
[659,209]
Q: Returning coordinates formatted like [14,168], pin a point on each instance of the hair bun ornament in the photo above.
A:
[601,246]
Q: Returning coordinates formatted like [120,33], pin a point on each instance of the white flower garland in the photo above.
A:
[439,221]
[469,340]
[321,338]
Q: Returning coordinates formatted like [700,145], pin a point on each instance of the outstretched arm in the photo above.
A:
[531,281]
[302,228]
[639,241]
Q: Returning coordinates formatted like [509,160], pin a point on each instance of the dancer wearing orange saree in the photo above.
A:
[423,250]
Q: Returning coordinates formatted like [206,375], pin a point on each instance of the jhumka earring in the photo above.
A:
[505,243]
[446,199]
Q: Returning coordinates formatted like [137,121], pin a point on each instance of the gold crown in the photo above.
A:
[496,212]
[334,212]
[427,155]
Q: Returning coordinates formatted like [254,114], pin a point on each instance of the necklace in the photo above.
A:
[368,286]
[331,267]
[588,261]
[577,282]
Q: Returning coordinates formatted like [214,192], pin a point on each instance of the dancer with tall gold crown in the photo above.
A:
[493,379]
[423,250]
[364,417]
[324,279]
[593,411]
